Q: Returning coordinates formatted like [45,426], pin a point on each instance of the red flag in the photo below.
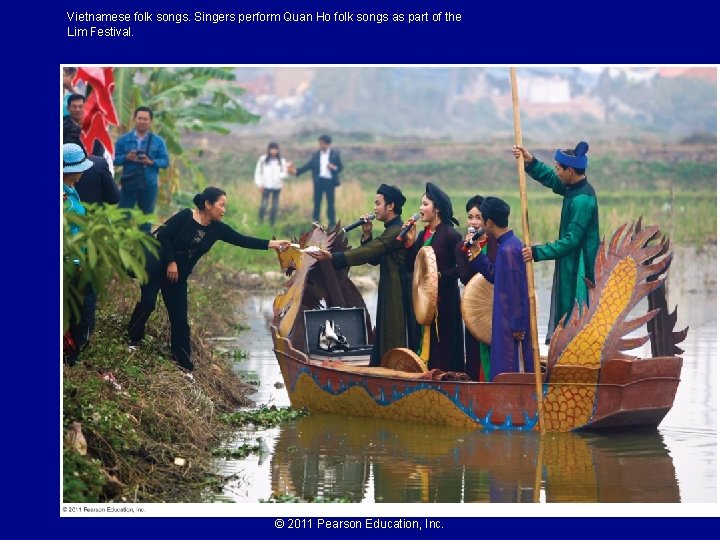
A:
[97,130]
[102,82]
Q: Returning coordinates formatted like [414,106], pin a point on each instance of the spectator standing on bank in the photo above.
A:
[270,171]
[141,151]
[326,167]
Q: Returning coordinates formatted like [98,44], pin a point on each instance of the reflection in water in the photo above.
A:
[367,459]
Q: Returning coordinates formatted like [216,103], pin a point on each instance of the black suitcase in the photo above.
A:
[351,322]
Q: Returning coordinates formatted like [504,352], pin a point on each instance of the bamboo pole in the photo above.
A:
[538,471]
[528,265]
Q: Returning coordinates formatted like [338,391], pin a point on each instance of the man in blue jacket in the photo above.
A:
[144,151]
[510,337]
[326,166]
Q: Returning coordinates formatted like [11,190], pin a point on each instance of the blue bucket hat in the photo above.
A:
[578,161]
[74,159]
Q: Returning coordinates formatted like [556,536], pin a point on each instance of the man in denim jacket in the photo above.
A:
[141,149]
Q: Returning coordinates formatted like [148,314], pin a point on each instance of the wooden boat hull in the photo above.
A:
[629,393]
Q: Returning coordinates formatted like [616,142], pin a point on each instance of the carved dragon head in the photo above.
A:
[313,284]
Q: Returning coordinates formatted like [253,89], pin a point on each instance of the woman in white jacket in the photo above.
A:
[270,171]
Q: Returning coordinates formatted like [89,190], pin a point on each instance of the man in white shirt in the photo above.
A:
[326,166]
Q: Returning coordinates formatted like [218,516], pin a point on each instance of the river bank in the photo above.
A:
[146,433]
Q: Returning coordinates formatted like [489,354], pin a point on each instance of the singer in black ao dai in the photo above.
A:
[446,347]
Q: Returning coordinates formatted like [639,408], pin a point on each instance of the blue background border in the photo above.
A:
[491,32]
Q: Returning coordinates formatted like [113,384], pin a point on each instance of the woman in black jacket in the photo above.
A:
[184,238]
[446,347]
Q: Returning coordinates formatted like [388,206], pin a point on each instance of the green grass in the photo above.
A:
[630,183]
[279,498]
[693,221]
[263,417]
[239,452]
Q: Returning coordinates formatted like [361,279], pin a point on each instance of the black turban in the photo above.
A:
[495,209]
[392,195]
[442,203]
[474,202]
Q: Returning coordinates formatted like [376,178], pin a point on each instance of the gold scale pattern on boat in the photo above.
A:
[568,407]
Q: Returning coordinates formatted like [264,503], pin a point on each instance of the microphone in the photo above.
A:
[359,222]
[405,229]
[478,233]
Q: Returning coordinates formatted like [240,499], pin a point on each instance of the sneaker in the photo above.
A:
[330,330]
[323,341]
[132,348]
[341,339]
[189,376]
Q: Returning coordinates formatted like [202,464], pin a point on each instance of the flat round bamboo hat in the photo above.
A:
[403,360]
[425,286]
[476,307]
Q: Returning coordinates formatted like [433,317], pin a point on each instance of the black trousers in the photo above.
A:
[82,330]
[175,298]
[326,186]
[266,195]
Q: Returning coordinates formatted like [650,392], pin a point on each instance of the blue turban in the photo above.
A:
[578,161]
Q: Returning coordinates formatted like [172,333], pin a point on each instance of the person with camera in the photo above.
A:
[184,238]
[141,153]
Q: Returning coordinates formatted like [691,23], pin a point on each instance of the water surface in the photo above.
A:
[370,460]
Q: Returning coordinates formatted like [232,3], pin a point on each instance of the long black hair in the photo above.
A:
[269,156]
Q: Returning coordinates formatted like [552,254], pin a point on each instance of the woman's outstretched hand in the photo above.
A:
[279,245]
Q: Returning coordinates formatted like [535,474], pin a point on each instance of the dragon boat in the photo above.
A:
[589,382]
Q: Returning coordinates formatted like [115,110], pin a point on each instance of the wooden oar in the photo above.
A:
[528,265]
